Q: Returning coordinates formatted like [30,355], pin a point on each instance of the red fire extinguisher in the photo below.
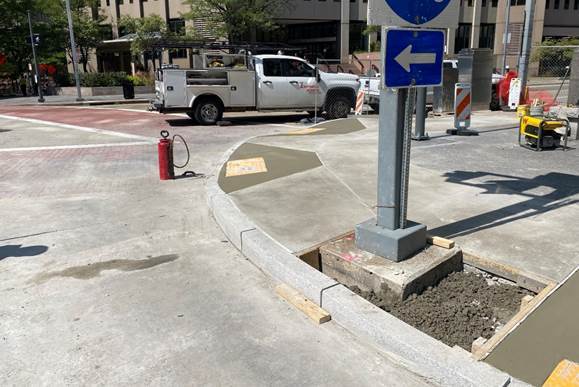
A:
[165,148]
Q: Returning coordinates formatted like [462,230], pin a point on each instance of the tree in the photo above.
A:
[146,30]
[14,44]
[87,22]
[237,20]
[50,22]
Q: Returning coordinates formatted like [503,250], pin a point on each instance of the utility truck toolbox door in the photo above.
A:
[272,86]
[175,82]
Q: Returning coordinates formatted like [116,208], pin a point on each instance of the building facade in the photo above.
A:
[333,29]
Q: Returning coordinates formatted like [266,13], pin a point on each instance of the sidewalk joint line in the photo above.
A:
[241,237]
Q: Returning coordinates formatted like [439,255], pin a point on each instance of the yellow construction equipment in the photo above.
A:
[539,133]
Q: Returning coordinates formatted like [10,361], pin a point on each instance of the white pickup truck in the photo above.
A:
[249,83]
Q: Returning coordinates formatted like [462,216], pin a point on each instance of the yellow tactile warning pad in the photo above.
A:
[245,167]
[565,375]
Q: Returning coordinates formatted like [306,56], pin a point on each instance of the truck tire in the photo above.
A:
[208,111]
[375,107]
[339,107]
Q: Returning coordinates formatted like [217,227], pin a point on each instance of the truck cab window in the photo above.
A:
[297,68]
[272,68]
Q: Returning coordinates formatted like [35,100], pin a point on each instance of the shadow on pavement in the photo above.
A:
[546,193]
[20,251]
[244,120]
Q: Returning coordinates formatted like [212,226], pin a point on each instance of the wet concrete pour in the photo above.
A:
[460,309]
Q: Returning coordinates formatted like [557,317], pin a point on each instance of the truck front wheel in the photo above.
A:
[338,107]
[208,111]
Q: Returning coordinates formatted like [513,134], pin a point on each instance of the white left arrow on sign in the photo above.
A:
[407,57]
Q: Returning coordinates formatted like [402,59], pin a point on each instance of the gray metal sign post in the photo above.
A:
[386,235]
[412,57]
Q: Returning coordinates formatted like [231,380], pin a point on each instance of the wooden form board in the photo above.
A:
[440,242]
[313,311]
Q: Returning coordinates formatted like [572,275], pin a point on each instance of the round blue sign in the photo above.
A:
[418,11]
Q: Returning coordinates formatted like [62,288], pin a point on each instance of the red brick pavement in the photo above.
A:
[140,123]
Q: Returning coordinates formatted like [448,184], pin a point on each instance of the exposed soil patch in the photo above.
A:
[463,307]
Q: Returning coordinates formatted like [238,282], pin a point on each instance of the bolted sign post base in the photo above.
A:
[395,245]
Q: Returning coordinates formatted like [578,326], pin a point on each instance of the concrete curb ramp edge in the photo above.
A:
[419,352]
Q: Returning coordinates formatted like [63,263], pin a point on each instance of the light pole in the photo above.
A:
[38,77]
[73,49]
[506,38]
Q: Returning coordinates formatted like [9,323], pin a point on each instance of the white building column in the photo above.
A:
[345,32]
[450,37]
[476,17]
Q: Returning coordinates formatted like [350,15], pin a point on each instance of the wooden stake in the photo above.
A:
[313,311]
[440,242]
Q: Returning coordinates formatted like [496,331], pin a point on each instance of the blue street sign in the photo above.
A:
[413,58]
[418,11]
[414,13]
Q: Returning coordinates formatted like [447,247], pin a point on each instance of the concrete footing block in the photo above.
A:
[422,353]
[393,281]
[268,255]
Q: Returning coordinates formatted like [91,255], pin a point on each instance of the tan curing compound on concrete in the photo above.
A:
[548,336]
[279,162]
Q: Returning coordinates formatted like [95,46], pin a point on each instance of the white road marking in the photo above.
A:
[60,147]
[81,128]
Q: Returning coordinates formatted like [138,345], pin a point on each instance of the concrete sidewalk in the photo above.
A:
[500,202]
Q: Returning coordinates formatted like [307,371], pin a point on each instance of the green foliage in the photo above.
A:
[146,31]
[86,21]
[238,20]
[554,56]
[15,33]
[370,29]
[141,80]
[49,20]
[102,79]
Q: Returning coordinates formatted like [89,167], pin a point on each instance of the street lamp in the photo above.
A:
[73,49]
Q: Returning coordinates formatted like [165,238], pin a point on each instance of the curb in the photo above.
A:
[417,351]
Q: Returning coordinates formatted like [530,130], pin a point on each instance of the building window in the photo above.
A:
[177,26]
[178,54]
[487,36]
[462,39]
